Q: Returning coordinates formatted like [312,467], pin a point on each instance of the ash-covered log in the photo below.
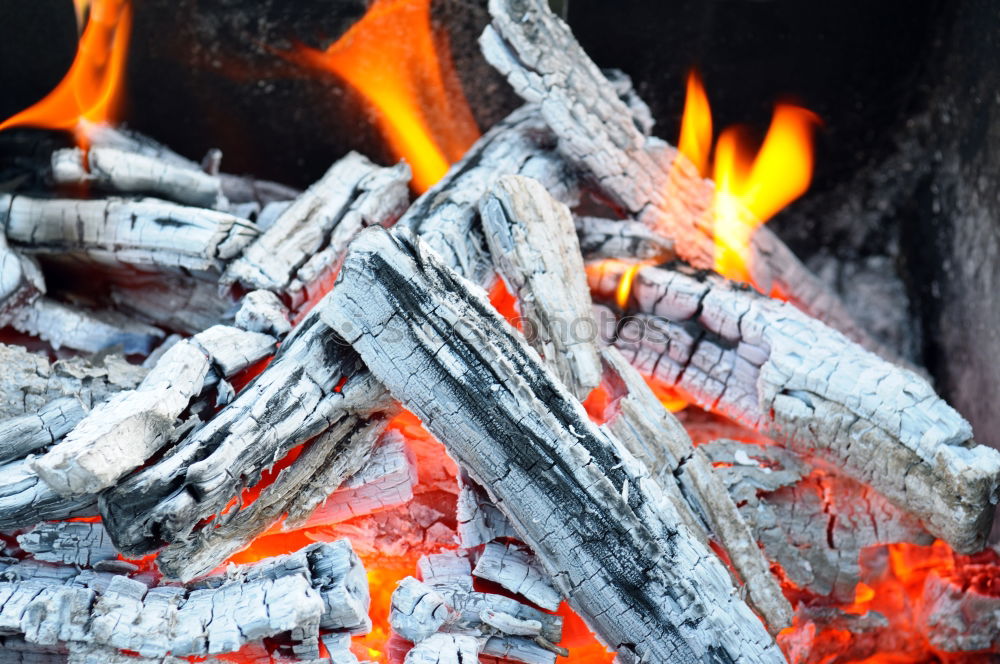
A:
[120,171]
[21,435]
[122,433]
[320,587]
[446,603]
[534,247]
[172,301]
[655,437]
[80,543]
[446,216]
[314,382]
[262,311]
[768,366]
[516,569]
[642,175]
[308,239]
[813,523]
[610,542]
[65,325]
[146,234]
[318,470]
[21,281]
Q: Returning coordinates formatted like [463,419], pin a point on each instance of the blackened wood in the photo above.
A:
[611,543]
[173,301]
[114,170]
[319,469]
[775,370]
[534,246]
[147,233]
[310,236]
[657,439]
[122,433]
[295,398]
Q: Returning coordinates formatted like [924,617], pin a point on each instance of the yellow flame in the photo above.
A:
[625,284]
[751,191]
[696,124]
[90,92]
[393,58]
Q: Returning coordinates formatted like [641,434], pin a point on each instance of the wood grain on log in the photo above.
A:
[298,396]
[25,499]
[310,236]
[535,250]
[321,586]
[64,325]
[611,543]
[517,570]
[147,233]
[120,434]
[656,438]
[643,176]
[765,364]
[119,171]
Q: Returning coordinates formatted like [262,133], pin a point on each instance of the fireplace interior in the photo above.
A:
[441,331]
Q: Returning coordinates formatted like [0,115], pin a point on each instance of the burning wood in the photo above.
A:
[814,524]
[788,376]
[262,311]
[118,171]
[641,175]
[308,239]
[615,238]
[401,309]
[146,234]
[120,434]
[314,382]
[437,613]
[320,587]
[534,247]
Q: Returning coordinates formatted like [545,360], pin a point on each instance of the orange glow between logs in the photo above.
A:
[91,91]
[397,62]
[750,187]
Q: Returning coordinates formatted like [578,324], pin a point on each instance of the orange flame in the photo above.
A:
[696,124]
[90,92]
[750,189]
[391,57]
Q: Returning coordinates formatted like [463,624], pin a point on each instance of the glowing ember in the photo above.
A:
[394,58]
[750,188]
[91,91]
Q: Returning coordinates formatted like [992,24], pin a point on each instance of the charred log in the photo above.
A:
[775,370]
[621,557]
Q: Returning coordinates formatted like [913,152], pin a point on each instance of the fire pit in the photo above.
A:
[524,383]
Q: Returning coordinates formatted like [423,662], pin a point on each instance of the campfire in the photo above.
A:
[550,393]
